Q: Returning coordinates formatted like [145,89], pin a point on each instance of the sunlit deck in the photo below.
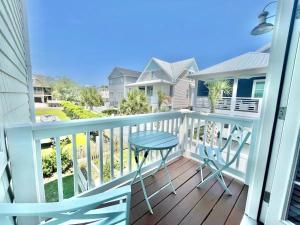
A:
[208,205]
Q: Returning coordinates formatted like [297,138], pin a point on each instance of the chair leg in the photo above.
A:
[222,182]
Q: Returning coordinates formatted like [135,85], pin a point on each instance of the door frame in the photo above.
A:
[288,141]
[273,87]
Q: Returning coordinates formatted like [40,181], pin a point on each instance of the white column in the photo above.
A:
[234,93]
[23,159]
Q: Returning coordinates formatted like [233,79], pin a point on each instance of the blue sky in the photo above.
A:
[86,39]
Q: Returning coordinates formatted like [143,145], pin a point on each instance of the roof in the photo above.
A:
[246,64]
[175,69]
[126,72]
[40,81]
[149,82]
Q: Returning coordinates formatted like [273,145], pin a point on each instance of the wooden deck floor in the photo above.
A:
[208,205]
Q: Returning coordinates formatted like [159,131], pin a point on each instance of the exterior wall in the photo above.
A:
[245,86]
[153,72]
[182,96]
[117,87]
[16,101]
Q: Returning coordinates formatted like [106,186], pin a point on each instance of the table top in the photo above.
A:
[153,140]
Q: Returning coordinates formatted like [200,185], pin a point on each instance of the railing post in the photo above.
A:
[234,94]
[23,160]
[251,160]
[183,132]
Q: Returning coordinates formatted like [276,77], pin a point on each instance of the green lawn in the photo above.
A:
[52,111]
[51,189]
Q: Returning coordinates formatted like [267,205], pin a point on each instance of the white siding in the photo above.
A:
[15,76]
[181,98]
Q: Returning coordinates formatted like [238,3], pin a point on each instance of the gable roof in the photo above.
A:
[125,72]
[175,69]
[251,61]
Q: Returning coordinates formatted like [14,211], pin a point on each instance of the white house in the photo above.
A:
[170,78]
[42,92]
[246,73]
[118,79]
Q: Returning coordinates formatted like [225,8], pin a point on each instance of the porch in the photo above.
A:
[107,146]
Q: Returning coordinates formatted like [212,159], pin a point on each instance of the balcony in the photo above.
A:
[106,142]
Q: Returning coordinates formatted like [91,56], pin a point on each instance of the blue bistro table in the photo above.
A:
[152,141]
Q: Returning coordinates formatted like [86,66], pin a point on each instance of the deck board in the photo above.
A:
[209,205]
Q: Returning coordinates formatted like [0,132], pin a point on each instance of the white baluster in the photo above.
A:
[75,164]
[59,169]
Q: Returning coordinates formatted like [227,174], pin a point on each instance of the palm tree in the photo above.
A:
[136,103]
[161,98]
[215,89]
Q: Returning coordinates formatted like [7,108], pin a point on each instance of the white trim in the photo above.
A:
[287,140]
[273,78]
[254,85]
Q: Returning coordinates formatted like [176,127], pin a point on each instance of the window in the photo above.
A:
[150,90]
[258,88]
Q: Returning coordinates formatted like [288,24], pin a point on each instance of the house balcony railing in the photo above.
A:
[106,144]
[238,104]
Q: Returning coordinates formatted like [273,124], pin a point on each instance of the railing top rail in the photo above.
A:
[61,128]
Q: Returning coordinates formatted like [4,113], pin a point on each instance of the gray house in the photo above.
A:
[118,79]
[170,78]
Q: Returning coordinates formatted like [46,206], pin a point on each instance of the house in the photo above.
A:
[118,79]
[171,79]
[104,92]
[42,91]
[264,180]
[246,73]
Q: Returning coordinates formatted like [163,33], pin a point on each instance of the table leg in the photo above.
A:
[139,173]
[163,160]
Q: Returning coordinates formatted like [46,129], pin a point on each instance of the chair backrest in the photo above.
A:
[110,207]
[243,139]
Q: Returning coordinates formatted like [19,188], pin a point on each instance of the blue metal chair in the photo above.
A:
[213,157]
[114,209]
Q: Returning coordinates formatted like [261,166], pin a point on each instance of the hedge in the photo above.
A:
[76,112]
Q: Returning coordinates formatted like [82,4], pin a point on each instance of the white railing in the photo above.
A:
[239,104]
[248,104]
[108,137]
[196,126]
[106,140]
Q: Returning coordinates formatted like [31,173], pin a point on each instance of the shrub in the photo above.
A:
[77,112]
[49,162]
[110,111]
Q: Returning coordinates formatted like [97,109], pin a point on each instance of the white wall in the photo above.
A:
[182,94]
[15,76]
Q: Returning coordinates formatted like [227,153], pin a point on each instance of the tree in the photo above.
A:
[162,98]
[215,89]
[90,97]
[136,103]
[65,89]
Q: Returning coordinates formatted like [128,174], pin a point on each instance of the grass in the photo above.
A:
[52,111]
[51,189]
